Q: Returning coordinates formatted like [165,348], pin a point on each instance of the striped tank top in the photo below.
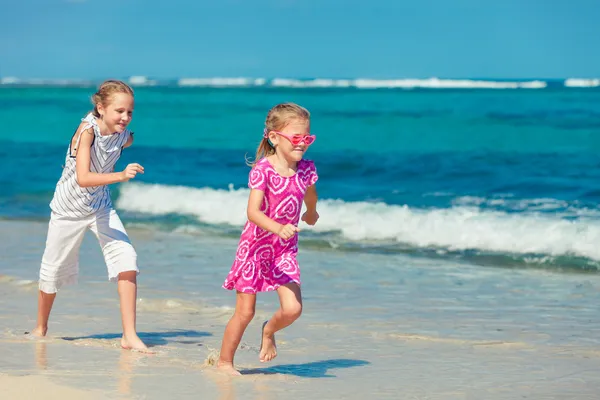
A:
[74,201]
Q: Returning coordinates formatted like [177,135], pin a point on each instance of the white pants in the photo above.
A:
[60,263]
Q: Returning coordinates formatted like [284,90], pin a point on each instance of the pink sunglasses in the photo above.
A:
[296,139]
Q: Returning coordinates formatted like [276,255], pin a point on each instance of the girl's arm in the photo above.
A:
[310,199]
[257,217]
[129,141]
[86,178]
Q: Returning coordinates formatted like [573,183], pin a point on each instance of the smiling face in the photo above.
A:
[117,113]
[284,147]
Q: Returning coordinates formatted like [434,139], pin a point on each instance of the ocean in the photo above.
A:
[456,217]
[492,176]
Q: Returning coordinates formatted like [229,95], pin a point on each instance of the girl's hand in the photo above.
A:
[287,231]
[310,217]
[131,171]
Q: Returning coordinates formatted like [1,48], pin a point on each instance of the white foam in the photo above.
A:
[431,83]
[209,205]
[458,228]
[9,80]
[221,82]
[537,204]
[142,81]
[435,83]
[312,83]
[578,82]
[44,82]
[362,83]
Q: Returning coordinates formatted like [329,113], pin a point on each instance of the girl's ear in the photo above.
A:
[100,109]
[272,137]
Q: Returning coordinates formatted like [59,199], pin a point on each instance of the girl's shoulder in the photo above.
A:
[307,172]
[306,164]
[263,166]
[89,121]
[86,124]
[89,117]
[259,175]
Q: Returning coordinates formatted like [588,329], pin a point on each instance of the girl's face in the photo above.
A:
[284,146]
[117,114]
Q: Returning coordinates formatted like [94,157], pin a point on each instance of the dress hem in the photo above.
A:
[255,291]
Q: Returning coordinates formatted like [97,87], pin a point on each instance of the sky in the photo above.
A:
[380,39]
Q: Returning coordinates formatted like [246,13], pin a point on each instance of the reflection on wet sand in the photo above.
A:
[226,385]
[126,360]
[41,355]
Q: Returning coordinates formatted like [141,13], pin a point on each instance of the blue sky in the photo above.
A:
[300,38]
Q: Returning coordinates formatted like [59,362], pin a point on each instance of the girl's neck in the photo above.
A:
[104,131]
[282,164]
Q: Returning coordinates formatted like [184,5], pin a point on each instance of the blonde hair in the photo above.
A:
[106,90]
[278,118]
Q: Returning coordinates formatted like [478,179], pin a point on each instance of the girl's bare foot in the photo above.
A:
[227,368]
[268,348]
[38,332]
[134,343]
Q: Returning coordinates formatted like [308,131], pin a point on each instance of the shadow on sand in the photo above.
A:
[317,369]
[151,338]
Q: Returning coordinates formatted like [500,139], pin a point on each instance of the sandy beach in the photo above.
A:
[28,387]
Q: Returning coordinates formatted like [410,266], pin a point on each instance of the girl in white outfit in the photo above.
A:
[82,201]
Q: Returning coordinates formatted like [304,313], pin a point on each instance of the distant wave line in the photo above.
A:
[359,83]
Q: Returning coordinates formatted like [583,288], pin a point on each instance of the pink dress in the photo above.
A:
[263,260]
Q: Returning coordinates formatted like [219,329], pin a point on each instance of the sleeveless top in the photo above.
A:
[74,201]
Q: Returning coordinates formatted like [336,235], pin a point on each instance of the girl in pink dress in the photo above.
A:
[280,181]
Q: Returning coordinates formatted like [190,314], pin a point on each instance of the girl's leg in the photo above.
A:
[245,306]
[290,299]
[127,288]
[60,264]
[45,302]
[121,261]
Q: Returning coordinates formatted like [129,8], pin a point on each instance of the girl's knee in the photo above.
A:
[245,314]
[292,311]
